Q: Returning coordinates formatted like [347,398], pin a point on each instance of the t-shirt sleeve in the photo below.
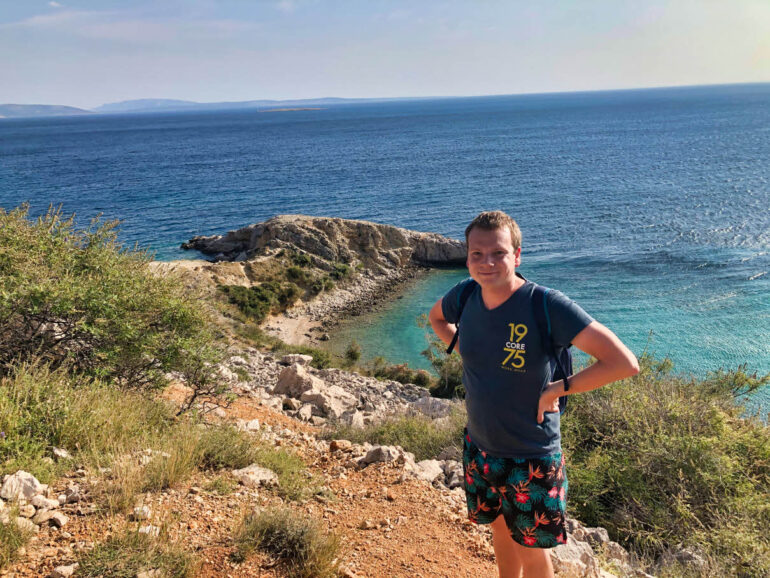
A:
[450,303]
[567,318]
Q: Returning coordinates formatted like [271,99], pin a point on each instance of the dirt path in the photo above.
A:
[391,524]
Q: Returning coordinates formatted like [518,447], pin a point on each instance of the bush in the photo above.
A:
[301,259]
[662,460]
[294,273]
[352,353]
[298,541]
[259,301]
[419,434]
[321,284]
[127,554]
[341,271]
[225,446]
[401,373]
[77,297]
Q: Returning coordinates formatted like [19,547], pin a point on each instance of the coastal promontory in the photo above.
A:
[381,247]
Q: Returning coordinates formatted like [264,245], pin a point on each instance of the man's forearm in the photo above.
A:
[444,330]
[597,375]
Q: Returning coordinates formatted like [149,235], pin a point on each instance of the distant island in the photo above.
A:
[37,110]
[146,105]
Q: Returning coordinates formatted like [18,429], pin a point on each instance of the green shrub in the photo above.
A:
[449,368]
[301,259]
[297,541]
[419,434]
[77,297]
[341,271]
[401,372]
[295,273]
[352,353]
[661,460]
[129,553]
[321,284]
[259,301]
[174,459]
[225,446]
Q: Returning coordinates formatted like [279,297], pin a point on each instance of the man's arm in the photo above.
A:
[614,361]
[442,327]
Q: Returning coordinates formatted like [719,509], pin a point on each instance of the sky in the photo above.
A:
[89,52]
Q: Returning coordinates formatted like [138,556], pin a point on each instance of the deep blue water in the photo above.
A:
[648,207]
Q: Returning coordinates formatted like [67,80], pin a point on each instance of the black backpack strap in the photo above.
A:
[543,320]
[462,299]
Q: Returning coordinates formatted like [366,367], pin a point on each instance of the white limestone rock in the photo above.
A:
[254,476]
[21,485]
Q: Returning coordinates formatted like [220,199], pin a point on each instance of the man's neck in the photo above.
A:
[496,296]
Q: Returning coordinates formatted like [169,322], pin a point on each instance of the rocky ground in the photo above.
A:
[396,517]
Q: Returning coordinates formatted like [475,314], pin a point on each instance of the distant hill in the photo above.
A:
[146,105]
[164,104]
[31,110]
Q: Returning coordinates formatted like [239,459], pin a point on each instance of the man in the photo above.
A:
[514,470]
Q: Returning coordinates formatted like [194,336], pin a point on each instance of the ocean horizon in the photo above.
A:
[648,207]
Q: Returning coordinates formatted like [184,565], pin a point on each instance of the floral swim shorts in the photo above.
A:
[529,493]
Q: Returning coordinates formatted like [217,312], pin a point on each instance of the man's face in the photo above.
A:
[492,261]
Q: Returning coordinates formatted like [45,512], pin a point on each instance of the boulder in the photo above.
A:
[380,454]
[27,510]
[295,380]
[333,401]
[54,518]
[21,485]
[305,412]
[597,537]
[453,470]
[341,446]
[429,470]
[254,476]
[298,358]
[44,503]
[433,407]
[27,525]
[61,454]
[574,560]
[64,571]
[250,425]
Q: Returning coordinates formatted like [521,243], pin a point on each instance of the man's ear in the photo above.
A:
[518,257]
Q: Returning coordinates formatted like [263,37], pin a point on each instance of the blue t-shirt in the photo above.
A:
[505,368]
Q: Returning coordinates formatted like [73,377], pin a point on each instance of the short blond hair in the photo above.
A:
[493,220]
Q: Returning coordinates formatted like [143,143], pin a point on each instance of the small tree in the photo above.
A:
[448,367]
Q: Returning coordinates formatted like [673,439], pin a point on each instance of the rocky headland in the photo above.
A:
[378,260]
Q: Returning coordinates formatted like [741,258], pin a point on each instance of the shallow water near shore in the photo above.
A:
[648,207]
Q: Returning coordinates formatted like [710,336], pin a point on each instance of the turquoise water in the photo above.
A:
[649,207]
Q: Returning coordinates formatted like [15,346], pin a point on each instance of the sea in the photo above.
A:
[650,208]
